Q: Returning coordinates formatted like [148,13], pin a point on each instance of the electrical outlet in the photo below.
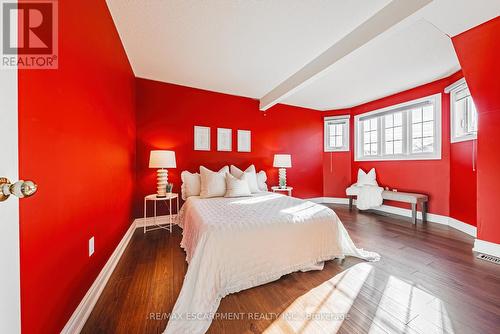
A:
[91,246]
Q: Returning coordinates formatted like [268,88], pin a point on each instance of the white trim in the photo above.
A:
[10,279]
[331,118]
[486,247]
[460,139]
[436,155]
[432,217]
[461,226]
[82,312]
[455,85]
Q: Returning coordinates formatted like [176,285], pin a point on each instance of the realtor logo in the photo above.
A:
[29,34]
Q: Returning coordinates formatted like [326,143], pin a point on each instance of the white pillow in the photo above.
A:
[191,184]
[369,179]
[251,178]
[237,187]
[261,180]
[213,184]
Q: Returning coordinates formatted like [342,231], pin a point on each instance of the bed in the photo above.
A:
[233,244]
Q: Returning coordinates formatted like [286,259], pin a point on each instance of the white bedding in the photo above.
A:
[233,244]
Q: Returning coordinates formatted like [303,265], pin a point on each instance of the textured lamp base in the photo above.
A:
[282,176]
[161,183]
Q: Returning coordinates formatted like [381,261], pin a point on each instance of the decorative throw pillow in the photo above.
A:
[191,184]
[369,178]
[261,180]
[236,187]
[213,184]
[251,179]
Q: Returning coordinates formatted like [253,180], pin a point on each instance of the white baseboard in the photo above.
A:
[486,247]
[464,227]
[82,312]
[439,219]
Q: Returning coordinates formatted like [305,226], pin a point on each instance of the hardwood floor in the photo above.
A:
[428,281]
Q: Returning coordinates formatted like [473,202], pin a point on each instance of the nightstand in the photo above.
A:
[155,199]
[278,189]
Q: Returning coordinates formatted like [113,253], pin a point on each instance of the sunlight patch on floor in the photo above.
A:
[401,307]
[434,319]
[405,308]
[322,309]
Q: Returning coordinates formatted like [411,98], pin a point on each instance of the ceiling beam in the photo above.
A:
[389,16]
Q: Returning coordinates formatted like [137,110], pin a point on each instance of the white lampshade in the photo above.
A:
[162,159]
[282,161]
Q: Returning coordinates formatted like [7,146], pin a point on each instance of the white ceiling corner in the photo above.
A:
[247,48]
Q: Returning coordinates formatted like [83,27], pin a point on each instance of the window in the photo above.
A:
[422,135]
[370,136]
[463,112]
[337,133]
[407,131]
[393,133]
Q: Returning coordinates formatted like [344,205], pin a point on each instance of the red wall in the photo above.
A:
[463,182]
[437,178]
[77,141]
[166,115]
[478,51]
[337,165]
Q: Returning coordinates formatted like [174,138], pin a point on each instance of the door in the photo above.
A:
[10,306]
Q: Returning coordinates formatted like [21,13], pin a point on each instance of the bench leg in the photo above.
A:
[414,213]
[350,203]
[424,212]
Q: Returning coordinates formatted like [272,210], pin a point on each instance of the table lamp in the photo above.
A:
[162,159]
[282,161]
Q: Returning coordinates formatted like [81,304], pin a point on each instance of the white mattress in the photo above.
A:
[233,244]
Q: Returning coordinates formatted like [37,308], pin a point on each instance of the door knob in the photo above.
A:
[20,188]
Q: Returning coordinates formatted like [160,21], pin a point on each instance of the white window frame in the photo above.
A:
[407,133]
[344,121]
[453,89]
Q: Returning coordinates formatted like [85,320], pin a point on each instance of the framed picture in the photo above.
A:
[244,141]
[201,138]
[224,139]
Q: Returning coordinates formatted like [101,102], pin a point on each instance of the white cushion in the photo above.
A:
[237,187]
[369,178]
[251,178]
[191,184]
[261,180]
[213,184]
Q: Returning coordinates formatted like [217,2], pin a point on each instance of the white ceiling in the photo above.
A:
[248,47]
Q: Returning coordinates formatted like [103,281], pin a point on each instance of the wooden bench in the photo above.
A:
[412,198]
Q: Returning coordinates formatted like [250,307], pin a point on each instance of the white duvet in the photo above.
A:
[234,244]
